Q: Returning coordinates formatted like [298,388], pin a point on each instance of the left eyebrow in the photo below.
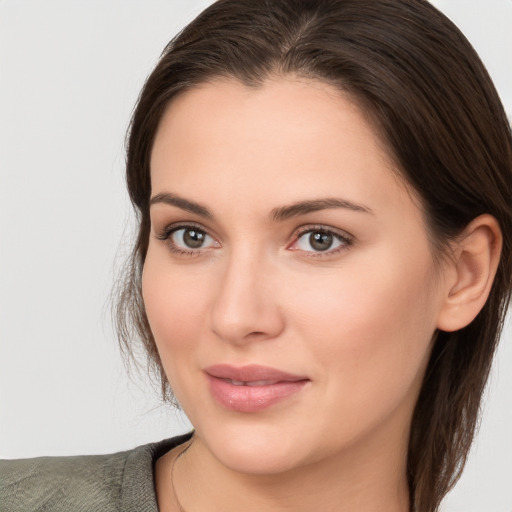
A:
[302,207]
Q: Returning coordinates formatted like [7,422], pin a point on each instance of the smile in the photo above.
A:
[251,383]
[252,388]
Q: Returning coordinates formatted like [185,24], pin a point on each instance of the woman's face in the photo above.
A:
[289,282]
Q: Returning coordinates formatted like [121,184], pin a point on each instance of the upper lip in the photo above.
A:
[251,373]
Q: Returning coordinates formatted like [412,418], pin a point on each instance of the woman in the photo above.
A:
[322,266]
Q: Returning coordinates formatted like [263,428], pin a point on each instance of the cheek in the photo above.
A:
[371,330]
[176,307]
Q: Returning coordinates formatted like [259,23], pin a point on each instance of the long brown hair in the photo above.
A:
[422,84]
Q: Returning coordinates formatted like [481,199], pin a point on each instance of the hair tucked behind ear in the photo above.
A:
[435,107]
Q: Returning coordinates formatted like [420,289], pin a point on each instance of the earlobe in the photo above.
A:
[473,267]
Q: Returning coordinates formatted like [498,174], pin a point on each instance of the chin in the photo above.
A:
[253,459]
[262,449]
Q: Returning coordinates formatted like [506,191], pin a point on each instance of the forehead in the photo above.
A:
[288,136]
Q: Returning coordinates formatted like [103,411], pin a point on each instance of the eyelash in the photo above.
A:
[166,234]
[346,241]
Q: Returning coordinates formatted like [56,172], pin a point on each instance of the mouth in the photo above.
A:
[252,388]
[251,383]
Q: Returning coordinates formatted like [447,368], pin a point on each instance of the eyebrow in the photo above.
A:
[304,207]
[276,215]
[183,204]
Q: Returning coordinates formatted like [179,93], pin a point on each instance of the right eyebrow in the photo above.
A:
[183,204]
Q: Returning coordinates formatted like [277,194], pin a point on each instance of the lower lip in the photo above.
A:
[252,398]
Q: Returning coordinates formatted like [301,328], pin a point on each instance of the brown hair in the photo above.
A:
[421,82]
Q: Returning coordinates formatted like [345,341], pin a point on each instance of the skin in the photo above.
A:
[357,320]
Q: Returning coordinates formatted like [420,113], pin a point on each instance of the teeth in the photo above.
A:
[260,383]
[251,383]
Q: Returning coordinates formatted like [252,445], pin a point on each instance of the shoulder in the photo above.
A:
[107,483]
[61,483]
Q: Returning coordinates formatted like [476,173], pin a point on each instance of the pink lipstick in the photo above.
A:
[251,388]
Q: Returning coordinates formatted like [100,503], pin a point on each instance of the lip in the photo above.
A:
[252,388]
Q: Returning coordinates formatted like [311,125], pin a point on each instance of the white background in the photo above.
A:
[70,72]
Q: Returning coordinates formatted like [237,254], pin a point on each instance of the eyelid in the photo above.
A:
[168,229]
[346,238]
[166,233]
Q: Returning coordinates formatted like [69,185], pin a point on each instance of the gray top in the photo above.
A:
[117,482]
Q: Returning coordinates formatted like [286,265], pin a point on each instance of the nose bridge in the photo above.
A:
[245,306]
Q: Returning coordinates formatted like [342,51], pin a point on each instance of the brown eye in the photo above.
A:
[320,241]
[190,238]
[193,238]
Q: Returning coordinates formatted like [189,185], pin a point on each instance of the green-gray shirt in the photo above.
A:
[105,483]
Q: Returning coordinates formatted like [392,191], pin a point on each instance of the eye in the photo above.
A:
[187,239]
[190,238]
[320,240]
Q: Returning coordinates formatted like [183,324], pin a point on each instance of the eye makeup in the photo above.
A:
[187,239]
[315,241]
[320,241]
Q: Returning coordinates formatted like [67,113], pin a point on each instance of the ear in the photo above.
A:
[470,273]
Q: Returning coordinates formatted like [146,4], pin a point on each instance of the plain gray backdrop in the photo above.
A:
[70,72]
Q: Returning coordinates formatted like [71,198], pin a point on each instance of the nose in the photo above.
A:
[245,308]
